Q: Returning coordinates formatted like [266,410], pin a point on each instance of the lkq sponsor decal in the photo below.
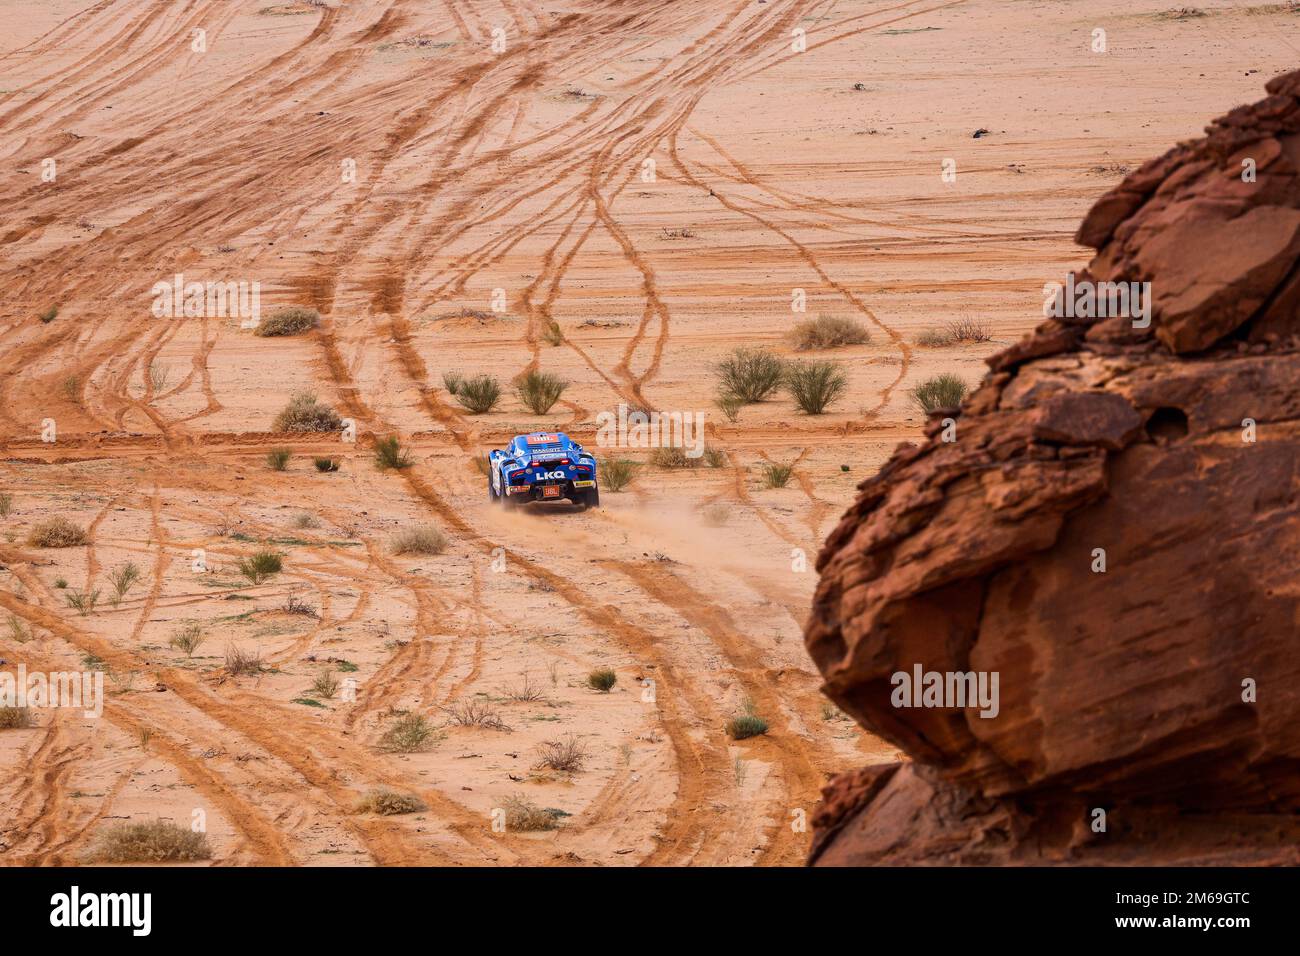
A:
[74,908]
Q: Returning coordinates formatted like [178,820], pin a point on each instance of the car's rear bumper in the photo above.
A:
[566,490]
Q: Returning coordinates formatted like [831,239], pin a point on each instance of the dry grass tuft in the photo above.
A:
[776,475]
[57,533]
[567,755]
[479,394]
[16,718]
[828,332]
[188,639]
[539,391]
[389,453]
[260,566]
[156,842]
[814,385]
[411,733]
[617,473]
[242,663]
[475,712]
[305,413]
[290,321]
[941,391]
[750,375]
[525,692]
[421,539]
[524,816]
[389,803]
[967,330]
[326,685]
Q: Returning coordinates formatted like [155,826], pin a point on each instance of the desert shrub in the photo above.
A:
[942,391]
[750,375]
[20,631]
[72,388]
[122,579]
[49,314]
[305,413]
[305,519]
[933,338]
[539,391]
[260,566]
[672,457]
[479,394]
[525,692]
[523,816]
[293,604]
[158,376]
[814,385]
[389,803]
[409,734]
[420,539]
[677,457]
[828,332]
[602,679]
[277,459]
[57,533]
[188,639]
[156,842]
[240,662]
[553,335]
[389,453]
[16,718]
[288,322]
[452,381]
[777,476]
[474,712]
[326,464]
[564,756]
[617,473]
[967,330]
[6,505]
[746,724]
[60,583]
[483,465]
[730,406]
[83,601]
[325,685]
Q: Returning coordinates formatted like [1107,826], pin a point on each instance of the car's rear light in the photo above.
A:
[536,464]
[564,461]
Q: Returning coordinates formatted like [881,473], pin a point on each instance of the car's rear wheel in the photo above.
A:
[493,497]
[591,498]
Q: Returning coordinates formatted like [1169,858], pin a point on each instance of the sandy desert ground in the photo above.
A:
[518,169]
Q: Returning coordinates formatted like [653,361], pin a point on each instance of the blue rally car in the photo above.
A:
[542,466]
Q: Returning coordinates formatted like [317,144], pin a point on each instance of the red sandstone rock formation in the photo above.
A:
[1120,690]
